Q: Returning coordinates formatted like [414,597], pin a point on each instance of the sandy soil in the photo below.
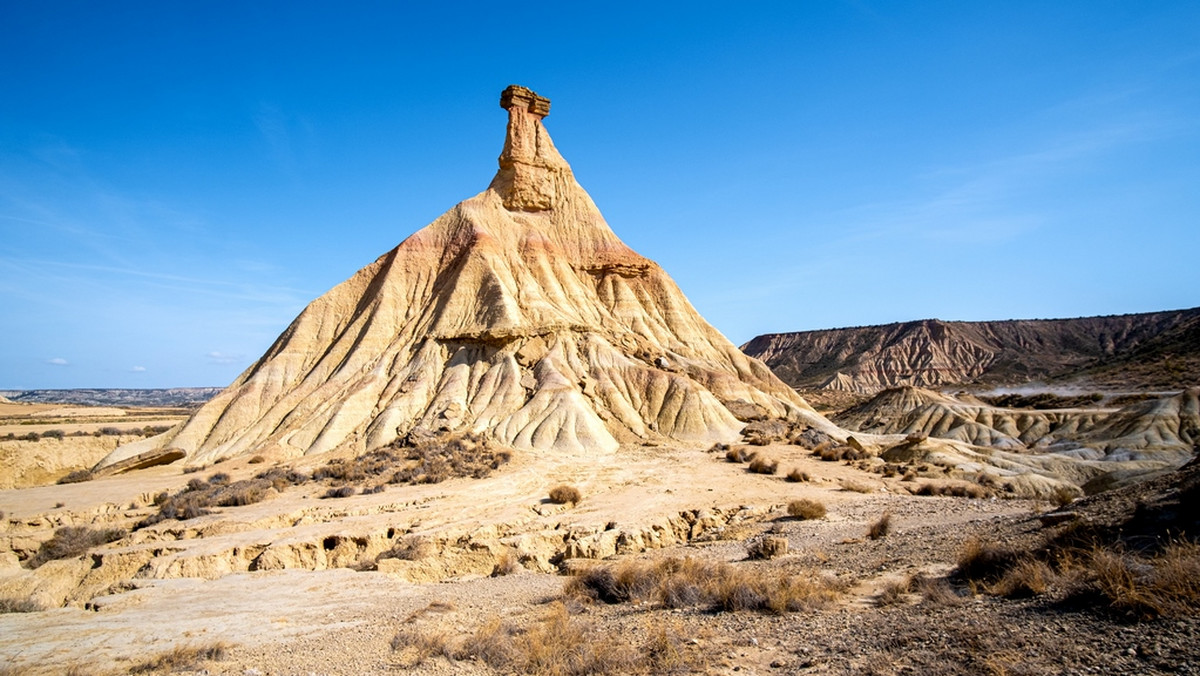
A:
[340,621]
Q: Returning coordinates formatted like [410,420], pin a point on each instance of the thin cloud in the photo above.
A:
[222,358]
[138,369]
[57,361]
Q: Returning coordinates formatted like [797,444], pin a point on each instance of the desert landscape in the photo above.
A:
[512,445]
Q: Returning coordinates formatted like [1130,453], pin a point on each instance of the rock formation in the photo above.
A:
[1156,350]
[518,314]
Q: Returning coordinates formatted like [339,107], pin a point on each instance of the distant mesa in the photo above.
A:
[517,314]
[1156,350]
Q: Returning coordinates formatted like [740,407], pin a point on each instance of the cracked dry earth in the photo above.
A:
[342,621]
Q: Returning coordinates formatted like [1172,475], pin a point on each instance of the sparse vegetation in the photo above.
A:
[409,548]
[737,455]
[835,453]
[880,528]
[766,548]
[955,489]
[18,605]
[507,564]
[680,583]
[182,658]
[894,592]
[761,464]
[76,476]
[198,496]
[72,541]
[804,509]
[564,494]
[856,486]
[256,460]
[414,647]
[53,434]
[798,476]
[340,492]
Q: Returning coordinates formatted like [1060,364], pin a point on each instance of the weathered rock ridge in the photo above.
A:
[1156,350]
[518,313]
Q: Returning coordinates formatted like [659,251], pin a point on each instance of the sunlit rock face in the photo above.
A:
[517,314]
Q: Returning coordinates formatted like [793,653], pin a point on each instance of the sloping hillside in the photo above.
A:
[1157,350]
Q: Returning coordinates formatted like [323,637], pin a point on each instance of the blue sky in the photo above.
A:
[177,180]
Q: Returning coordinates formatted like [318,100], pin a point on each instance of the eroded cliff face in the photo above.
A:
[518,313]
[1157,350]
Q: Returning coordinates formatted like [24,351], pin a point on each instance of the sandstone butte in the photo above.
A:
[517,314]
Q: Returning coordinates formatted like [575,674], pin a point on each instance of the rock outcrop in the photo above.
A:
[1156,350]
[518,314]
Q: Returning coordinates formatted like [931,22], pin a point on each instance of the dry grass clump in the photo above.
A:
[958,490]
[72,541]
[1027,577]
[564,494]
[984,562]
[737,455]
[198,496]
[409,548]
[767,548]
[855,486]
[437,459]
[558,645]
[256,460]
[340,492]
[77,476]
[798,476]
[182,658]
[506,564]
[895,592]
[804,509]
[283,477]
[414,647]
[880,528]
[830,453]
[688,582]
[10,604]
[936,591]
[760,464]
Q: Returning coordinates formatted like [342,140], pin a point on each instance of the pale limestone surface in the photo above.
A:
[518,313]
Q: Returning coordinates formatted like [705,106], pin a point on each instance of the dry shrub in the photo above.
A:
[666,651]
[1144,588]
[984,562]
[563,494]
[797,476]
[432,460]
[1063,496]
[17,605]
[182,658]
[894,592]
[256,460]
[737,455]
[414,647]
[958,490]
[763,465]
[880,528]
[281,478]
[198,496]
[507,564]
[77,476]
[855,487]
[72,541]
[219,479]
[936,591]
[1027,577]
[409,548]
[837,453]
[767,548]
[340,492]
[558,645]
[689,582]
[804,509]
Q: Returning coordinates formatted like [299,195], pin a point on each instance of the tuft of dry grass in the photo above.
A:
[415,647]
[340,492]
[689,582]
[895,592]
[760,464]
[563,494]
[936,591]
[71,541]
[984,562]
[506,564]
[183,658]
[855,486]
[737,455]
[767,548]
[77,476]
[409,548]
[797,476]
[880,528]
[958,490]
[804,509]
[1027,577]
[19,605]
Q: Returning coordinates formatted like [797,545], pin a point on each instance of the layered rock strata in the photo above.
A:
[518,314]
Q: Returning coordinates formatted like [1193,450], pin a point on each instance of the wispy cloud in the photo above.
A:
[222,358]
[57,361]
[138,369]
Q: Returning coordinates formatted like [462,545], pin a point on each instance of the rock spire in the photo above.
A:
[517,314]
